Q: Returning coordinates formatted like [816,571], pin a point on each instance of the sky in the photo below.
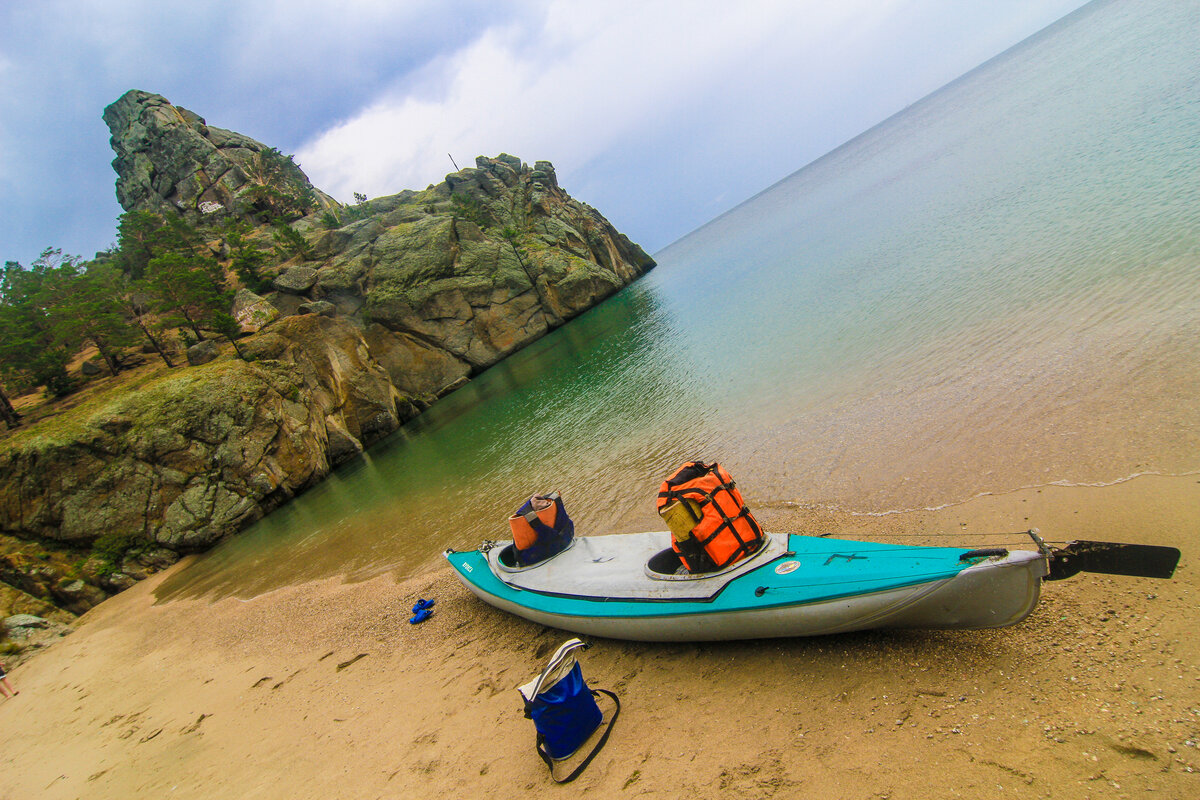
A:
[662,114]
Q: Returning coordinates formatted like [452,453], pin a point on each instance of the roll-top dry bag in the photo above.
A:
[711,528]
[564,710]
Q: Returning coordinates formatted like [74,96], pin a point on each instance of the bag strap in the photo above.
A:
[535,522]
[541,742]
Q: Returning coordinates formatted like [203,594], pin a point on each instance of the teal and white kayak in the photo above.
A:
[627,586]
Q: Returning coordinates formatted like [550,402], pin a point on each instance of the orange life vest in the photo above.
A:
[724,531]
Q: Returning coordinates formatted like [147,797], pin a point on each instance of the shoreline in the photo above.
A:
[324,688]
[1059,484]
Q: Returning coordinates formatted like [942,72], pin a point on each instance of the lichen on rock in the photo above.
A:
[253,313]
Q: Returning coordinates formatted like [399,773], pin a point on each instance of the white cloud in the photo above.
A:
[568,83]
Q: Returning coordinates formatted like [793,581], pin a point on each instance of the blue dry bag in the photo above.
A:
[565,714]
[564,710]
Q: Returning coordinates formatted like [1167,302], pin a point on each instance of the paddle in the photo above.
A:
[1111,558]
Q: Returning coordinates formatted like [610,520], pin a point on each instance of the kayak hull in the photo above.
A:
[807,586]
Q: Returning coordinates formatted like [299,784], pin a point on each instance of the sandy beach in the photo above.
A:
[325,690]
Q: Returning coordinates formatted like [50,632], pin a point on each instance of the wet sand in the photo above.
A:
[324,690]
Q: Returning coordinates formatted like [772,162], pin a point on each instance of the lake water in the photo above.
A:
[998,287]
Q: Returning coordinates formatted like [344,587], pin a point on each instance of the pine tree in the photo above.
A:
[8,372]
[244,256]
[132,300]
[188,289]
[7,413]
[30,345]
[279,190]
[228,327]
[171,273]
[90,310]
[137,235]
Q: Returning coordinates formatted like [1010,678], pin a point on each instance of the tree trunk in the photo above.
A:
[192,325]
[157,347]
[237,349]
[114,366]
[7,412]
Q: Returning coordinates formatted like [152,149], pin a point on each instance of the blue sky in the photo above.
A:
[660,113]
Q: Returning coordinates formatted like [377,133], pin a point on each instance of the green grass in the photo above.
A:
[148,400]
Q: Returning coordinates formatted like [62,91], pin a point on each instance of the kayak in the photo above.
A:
[633,586]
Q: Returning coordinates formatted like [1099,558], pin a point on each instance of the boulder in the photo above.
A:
[118,582]
[203,352]
[321,307]
[77,596]
[27,634]
[253,313]
[415,367]
[296,280]
[24,621]
[154,559]
[342,446]
[90,368]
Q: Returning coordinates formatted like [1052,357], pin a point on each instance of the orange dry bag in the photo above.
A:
[711,527]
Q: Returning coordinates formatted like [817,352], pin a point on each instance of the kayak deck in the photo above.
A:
[617,567]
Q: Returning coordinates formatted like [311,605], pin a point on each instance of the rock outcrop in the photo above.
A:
[483,263]
[381,308]
[170,161]
[201,452]
[252,312]
[448,280]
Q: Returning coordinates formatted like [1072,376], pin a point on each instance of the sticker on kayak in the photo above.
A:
[786,567]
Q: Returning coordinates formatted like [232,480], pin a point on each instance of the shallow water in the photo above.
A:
[998,287]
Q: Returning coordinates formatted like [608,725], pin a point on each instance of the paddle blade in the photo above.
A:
[1111,558]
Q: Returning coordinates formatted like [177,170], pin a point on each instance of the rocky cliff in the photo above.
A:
[170,161]
[193,455]
[383,307]
[450,280]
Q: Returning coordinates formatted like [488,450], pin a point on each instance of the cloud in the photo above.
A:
[277,71]
[650,110]
[664,114]
[568,83]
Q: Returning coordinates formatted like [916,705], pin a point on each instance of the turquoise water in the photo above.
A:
[997,288]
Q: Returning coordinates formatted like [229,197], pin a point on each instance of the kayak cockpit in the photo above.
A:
[506,558]
[630,566]
[665,564]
